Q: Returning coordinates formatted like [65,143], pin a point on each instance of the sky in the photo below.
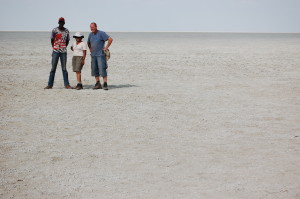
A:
[153,15]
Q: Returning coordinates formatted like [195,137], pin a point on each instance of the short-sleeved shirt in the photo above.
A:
[97,42]
[60,39]
[78,49]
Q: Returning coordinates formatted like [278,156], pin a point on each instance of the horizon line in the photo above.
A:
[159,31]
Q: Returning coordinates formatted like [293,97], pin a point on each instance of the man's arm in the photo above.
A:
[109,41]
[90,47]
[68,37]
[52,38]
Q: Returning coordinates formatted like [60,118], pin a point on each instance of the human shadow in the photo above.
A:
[121,86]
[111,86]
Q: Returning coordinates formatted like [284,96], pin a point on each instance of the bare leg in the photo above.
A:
[78,75]
[97,78]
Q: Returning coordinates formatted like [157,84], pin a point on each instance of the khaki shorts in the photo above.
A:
[77,63]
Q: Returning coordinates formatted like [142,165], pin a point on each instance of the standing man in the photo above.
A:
[96,42]
[59,40]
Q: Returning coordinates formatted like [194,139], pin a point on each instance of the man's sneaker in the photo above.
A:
[48,87]
[97,86]
[79,86]
[68,87]
[105,86]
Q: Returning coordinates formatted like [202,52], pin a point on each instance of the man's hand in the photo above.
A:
[52,42]
[109,41]
[82,62]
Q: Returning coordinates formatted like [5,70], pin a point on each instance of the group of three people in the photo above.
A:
[60,38]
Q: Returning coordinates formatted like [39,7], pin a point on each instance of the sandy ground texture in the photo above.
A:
[186,116]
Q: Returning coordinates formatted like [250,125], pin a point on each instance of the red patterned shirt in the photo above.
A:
[60,39]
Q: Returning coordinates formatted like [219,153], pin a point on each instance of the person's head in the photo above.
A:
[78,36]
[61,22]
[93,27]
[78,39]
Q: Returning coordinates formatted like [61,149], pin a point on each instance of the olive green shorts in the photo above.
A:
[77,63]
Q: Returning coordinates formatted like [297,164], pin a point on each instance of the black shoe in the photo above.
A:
[48,87]
[97,86]
[105,86]
[79,86]
[68,87]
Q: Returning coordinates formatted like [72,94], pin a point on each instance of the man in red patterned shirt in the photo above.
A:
[60,38]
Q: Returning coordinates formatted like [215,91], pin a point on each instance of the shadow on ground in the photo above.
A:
[112,86]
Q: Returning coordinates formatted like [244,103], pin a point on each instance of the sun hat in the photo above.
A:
[107,54]
[61,19]
[78,34]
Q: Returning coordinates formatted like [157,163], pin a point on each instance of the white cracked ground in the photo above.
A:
[188,115]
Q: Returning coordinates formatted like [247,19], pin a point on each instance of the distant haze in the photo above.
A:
[153,15]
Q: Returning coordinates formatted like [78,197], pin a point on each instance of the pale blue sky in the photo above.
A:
[153,15]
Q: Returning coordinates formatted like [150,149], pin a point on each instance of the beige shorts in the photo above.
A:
[77,63]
